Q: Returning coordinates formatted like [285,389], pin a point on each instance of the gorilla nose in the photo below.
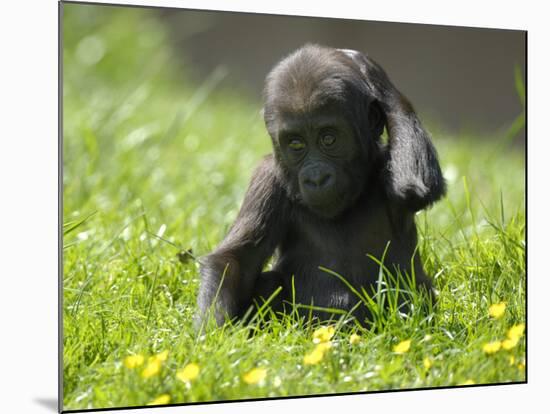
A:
[318,179]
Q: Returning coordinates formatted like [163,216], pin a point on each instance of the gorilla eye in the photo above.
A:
[328,139]
[296,145]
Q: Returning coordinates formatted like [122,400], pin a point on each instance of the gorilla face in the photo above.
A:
[322,159]
[323,135]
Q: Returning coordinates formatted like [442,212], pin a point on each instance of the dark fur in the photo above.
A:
[323,210]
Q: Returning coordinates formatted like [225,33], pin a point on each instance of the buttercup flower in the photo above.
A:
[402,347]
[255,375]
[354,339]
[427,362]
[323,334]
[497,310]
[152,368]
[314,357]
[161,399]
[516,331]
[492,347]
[468,382]
[324,346]
[513,336]
[317,355]
[154,363]
[133,361]
[508,344]
[188,373]
[161,357]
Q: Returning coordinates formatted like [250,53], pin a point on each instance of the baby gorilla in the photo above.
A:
[331,195]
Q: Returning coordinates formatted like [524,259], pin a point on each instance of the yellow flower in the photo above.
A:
[516,331]
[161,399]
[427,363]
[161,357]
[188,373]
[508,344]
[512,360]
[152,368]
[323,334]
[521,366]
[497,310]
[492,347]
[323,346]
[402,347]
[513,336]
[314,357]
[254,376]
[317,355]
[354,339]
[468,382]
[133,361]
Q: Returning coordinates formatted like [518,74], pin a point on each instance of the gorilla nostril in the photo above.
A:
[324,180]
[318,180]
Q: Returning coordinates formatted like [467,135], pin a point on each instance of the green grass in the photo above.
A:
[156,163]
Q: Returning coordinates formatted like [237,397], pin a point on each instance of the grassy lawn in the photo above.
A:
[156,163]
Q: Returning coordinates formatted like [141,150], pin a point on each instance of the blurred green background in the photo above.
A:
[158,149]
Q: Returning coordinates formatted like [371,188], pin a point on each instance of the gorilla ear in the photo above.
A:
[377,118]
[412,173]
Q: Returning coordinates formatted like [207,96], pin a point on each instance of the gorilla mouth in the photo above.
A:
[326,206]
[331,203]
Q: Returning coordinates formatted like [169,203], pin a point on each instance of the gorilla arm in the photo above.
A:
[229,273]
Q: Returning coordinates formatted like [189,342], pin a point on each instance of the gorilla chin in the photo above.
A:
[327,204]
